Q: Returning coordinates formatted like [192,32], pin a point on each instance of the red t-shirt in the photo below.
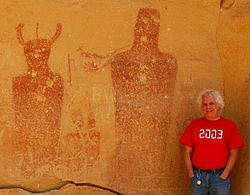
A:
[211,141]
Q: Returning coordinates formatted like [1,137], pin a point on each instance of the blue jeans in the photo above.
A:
[211,183]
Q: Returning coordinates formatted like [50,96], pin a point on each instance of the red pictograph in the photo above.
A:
[85,143]
[79,151]
[143,83]
[37,98]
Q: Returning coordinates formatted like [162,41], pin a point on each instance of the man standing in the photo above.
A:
[211,147]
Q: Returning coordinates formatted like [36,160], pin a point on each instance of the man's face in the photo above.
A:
[210,107]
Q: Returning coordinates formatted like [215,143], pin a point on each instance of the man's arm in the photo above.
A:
[230,163]
[188,162]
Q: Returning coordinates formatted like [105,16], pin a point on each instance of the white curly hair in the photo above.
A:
[216,94]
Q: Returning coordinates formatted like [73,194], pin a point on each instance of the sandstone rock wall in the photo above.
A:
[233,44]
[95,94]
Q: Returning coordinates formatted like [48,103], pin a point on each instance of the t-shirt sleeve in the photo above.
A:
[187,136]
[235,139]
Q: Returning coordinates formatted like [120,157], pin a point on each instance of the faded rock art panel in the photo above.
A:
[143,86]
[79,148]
[86,141]
[37,99]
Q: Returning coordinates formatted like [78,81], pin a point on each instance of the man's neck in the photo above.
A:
[213,119]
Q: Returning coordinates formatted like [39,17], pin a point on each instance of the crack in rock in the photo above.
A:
[47,184]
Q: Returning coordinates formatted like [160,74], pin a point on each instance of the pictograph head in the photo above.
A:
[37,51]
[148,23]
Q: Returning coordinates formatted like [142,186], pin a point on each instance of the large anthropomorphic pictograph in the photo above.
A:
[143,84]
[37,98]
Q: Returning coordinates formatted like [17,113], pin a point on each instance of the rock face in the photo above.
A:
[97,106]
[233,42]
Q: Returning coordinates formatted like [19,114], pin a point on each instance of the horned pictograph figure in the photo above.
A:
[37,98]
[143,84]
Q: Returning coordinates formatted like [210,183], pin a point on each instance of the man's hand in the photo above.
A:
[230,163]
[223,177]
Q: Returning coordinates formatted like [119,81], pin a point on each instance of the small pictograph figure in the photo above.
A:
[84,144]
[79,151]
[92,140]
[37,98]
[143,84]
